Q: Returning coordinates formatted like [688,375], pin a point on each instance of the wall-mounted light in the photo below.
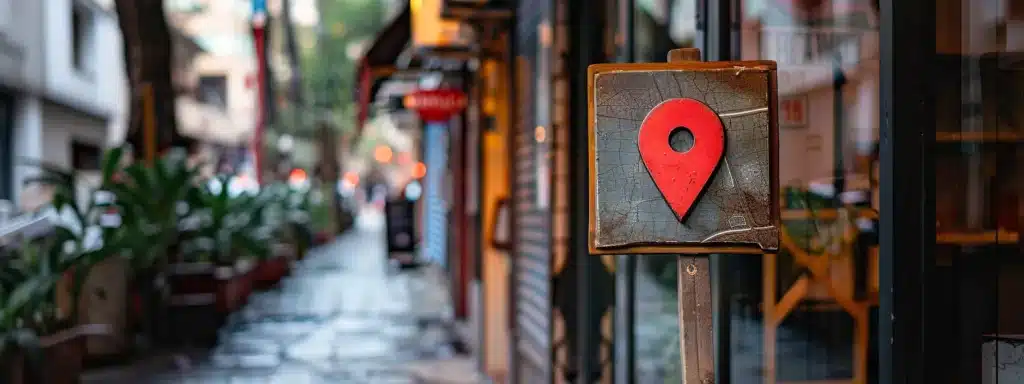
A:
[540,134]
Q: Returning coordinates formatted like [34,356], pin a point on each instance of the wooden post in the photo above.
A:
[149,137]
[696,329]
[736,216]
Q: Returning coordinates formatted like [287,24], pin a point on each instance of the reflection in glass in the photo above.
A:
[807,314]
[979,163]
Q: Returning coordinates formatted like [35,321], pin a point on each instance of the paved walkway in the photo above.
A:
[343,316]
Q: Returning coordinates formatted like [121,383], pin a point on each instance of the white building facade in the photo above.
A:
[62,86]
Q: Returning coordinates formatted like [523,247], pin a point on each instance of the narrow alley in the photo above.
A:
[343,316]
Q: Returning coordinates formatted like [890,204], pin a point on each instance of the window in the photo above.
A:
[213,90]
[6,10]
[792,320]
[81,37]
[6,157]
[85,157]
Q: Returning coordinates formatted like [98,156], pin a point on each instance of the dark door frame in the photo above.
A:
[907,191]
[592,283]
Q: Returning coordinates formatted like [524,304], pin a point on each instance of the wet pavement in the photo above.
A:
[343,316]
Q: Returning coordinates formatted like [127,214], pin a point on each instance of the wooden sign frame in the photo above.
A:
[676,65]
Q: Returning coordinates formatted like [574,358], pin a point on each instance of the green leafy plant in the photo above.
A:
[296,207]
[226,228]
[30,274]
[76,245]
[152,200]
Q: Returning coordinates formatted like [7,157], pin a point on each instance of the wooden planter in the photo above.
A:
[269,272]
[234,285]
[321,238]
[203,295]
[61,361]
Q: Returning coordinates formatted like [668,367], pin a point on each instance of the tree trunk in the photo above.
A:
[329,175]
[148,60]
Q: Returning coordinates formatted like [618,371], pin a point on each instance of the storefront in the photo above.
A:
[901,174]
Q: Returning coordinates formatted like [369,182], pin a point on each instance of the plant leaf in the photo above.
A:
[111,161]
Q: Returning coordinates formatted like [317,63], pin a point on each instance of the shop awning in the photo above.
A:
[379,61]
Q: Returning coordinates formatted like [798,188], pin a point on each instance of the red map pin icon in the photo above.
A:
[681,176]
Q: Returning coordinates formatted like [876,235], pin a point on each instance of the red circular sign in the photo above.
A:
[436,104]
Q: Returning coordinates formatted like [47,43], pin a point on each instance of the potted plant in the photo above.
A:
[33,326]
[288,218]
[233,233]
[222,239]
[299,222]
[151,200]
[51,273]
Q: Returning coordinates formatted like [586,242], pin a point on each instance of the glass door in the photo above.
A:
[977,265]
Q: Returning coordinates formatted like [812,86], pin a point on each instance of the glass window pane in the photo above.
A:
[807,314]
[979,165]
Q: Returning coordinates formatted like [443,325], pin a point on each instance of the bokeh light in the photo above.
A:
[382,154]
[419,170]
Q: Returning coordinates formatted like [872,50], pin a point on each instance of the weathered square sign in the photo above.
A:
[683,157]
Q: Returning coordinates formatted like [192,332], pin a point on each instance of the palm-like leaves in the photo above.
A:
[155,204]
[152,201]
[39,267]
[229,226]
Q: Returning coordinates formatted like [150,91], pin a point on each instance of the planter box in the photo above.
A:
[198,284]
[234,285]
[269,272]
[62,357]
[321,238]
[202,295]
